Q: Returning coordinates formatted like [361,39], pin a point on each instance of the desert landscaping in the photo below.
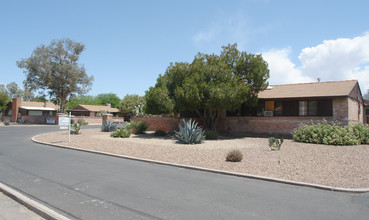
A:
[335,166]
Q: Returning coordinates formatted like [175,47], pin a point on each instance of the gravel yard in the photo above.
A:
[337,166]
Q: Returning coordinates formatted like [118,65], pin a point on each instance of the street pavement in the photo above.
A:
[81,185]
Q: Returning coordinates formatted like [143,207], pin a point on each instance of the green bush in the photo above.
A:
[160,133]
[361,132]
[324,133]
[121,133]
[137,127]
[189,132]
[211,135]
[76,126]
[108,126]
[234,156]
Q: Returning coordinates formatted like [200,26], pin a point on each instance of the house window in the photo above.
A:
[313,107]
[308,108]
[46,113]
[35,113]
[278,108]
[303,108]
[367,111]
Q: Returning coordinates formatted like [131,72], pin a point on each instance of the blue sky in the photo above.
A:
[129,43]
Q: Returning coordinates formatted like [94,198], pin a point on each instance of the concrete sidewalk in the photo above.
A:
[15,205]
[11,209]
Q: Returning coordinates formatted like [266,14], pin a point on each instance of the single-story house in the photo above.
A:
[93,110]
[340,100]
[281,108]
[31,112]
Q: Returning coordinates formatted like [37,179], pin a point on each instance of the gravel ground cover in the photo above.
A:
[336,166]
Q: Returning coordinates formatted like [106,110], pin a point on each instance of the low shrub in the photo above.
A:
[234,156]
[324,133]
[160,133]
[6,122]
[189,132]
[361,132]
[137,127]
[121,133]
[76,126]
[108,126]
[211,135]
[274,143]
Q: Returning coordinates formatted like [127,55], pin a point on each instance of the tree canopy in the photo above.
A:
[129,102]
[108,98]
[100,99]
[54,69]
[14,91]
[81,99]
[4,100]
[210,85]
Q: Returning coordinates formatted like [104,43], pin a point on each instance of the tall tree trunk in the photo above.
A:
[210,118]
[62,104]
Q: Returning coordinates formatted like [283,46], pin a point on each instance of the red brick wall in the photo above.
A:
[240,125]
[88,119]
[110,117]
[264,125]
[356,111]
[159,123]
[340,110]
[37,119]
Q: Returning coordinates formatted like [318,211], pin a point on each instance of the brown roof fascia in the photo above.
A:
[304,98]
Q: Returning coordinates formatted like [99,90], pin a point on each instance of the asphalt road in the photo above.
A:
[84,185]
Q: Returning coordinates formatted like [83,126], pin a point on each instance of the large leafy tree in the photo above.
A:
[129,102]
[81,99]
[108,98]
[54,69]
[4,100]
[3,88]
[210,85]
[14,91]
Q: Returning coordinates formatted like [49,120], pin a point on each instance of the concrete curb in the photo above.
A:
[31,204]
[317,186]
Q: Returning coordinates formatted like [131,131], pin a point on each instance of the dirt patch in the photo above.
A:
[336,166]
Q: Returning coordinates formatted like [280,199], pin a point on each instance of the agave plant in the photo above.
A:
[189,132]
[108,126]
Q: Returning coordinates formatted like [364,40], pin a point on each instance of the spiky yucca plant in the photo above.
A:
[189,132]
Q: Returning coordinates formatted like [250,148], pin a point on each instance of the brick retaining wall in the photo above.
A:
[277,126]
[240,125]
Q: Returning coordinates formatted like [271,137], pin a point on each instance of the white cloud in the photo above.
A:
[339,59]
[282,70]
